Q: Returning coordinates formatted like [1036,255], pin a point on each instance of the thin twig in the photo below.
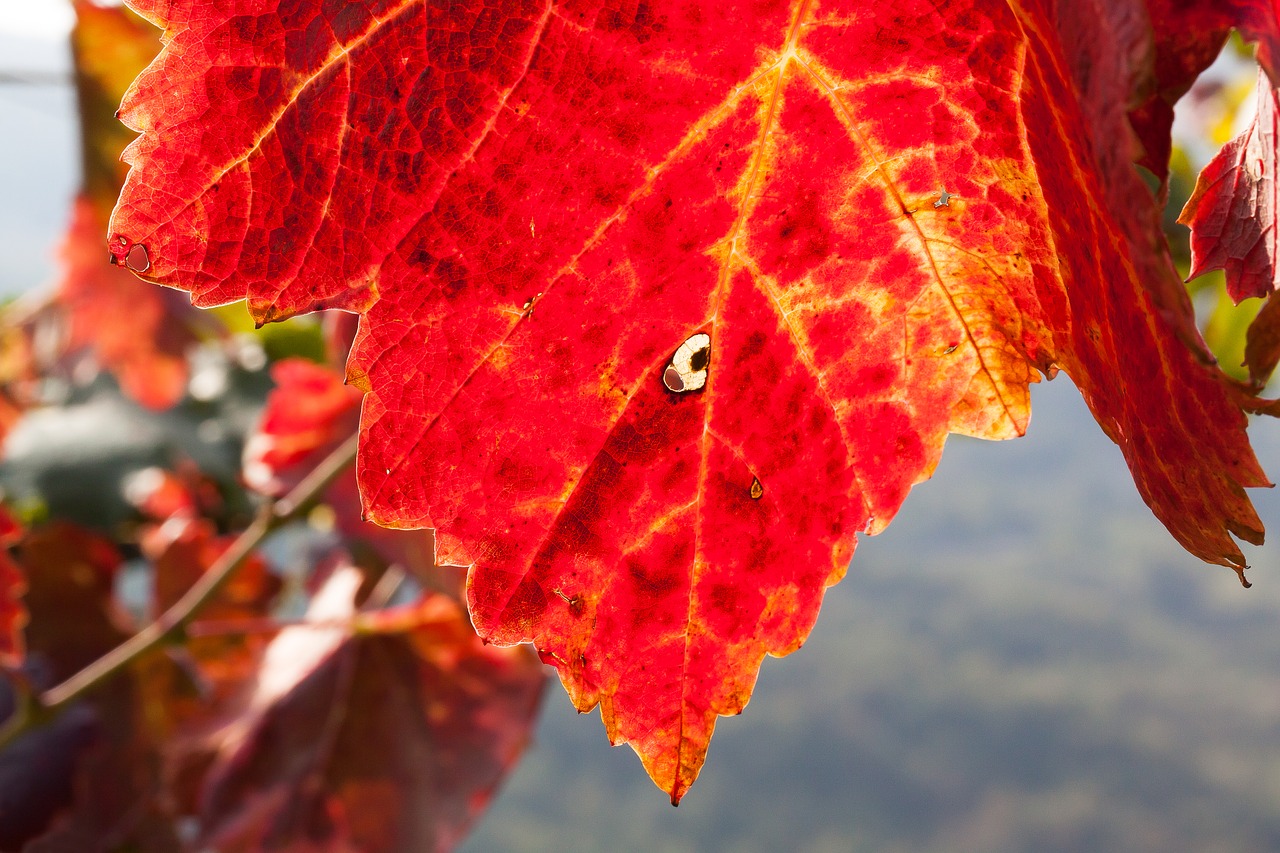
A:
[220,628]
[171,625]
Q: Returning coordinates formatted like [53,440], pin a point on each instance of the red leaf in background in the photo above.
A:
[1186,38]
[182,550]
[379,732]
[74,614]
[188,688]
[110,46]
[1262,342]
[664,303]
[1258,21]
[308,414]
[138,332]
[1232,212]
[159,494]
[13,615]
[97,772]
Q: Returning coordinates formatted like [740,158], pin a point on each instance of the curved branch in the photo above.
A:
[172,624]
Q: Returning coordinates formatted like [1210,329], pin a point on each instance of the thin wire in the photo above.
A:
[35,78]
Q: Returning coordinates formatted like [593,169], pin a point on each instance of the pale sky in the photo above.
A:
[42,19]
[39,143]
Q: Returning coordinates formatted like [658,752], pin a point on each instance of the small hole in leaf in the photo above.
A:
[138,260]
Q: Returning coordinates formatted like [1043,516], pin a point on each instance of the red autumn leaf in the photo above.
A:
[1262,342]
[308,415]
[1106,46]
[74,620]
[1257,20]
[95,767]
[1232,215]
[159,494]
[663,303]
[187,689]
[13,616]
[74,614]
[378,732]
[1232,212]
[182,549]
[139,333]
[1186,38]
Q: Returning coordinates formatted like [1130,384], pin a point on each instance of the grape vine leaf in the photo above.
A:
[73,792]
[1186,38]
[1233,220]
[1257,20]
[307,415]
[1262,342]
[378,731]
[185,689]
[140,334]
[663,302]
[1232,211]
[13,615]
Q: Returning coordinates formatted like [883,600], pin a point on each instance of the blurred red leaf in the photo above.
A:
[188,688]
[1232,212]
[75,617]
[662,304]
[385,732]
[183,548]
[309,414]
[101,781]
[159,494]
[13,615]
[139,333]
[1262,342]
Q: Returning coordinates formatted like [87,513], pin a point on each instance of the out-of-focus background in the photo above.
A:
[1024,661]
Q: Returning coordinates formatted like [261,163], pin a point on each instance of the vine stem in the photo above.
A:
[33,709]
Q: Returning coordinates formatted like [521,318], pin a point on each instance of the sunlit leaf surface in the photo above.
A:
[663,303]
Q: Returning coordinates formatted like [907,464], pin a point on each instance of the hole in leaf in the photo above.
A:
[138,260]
